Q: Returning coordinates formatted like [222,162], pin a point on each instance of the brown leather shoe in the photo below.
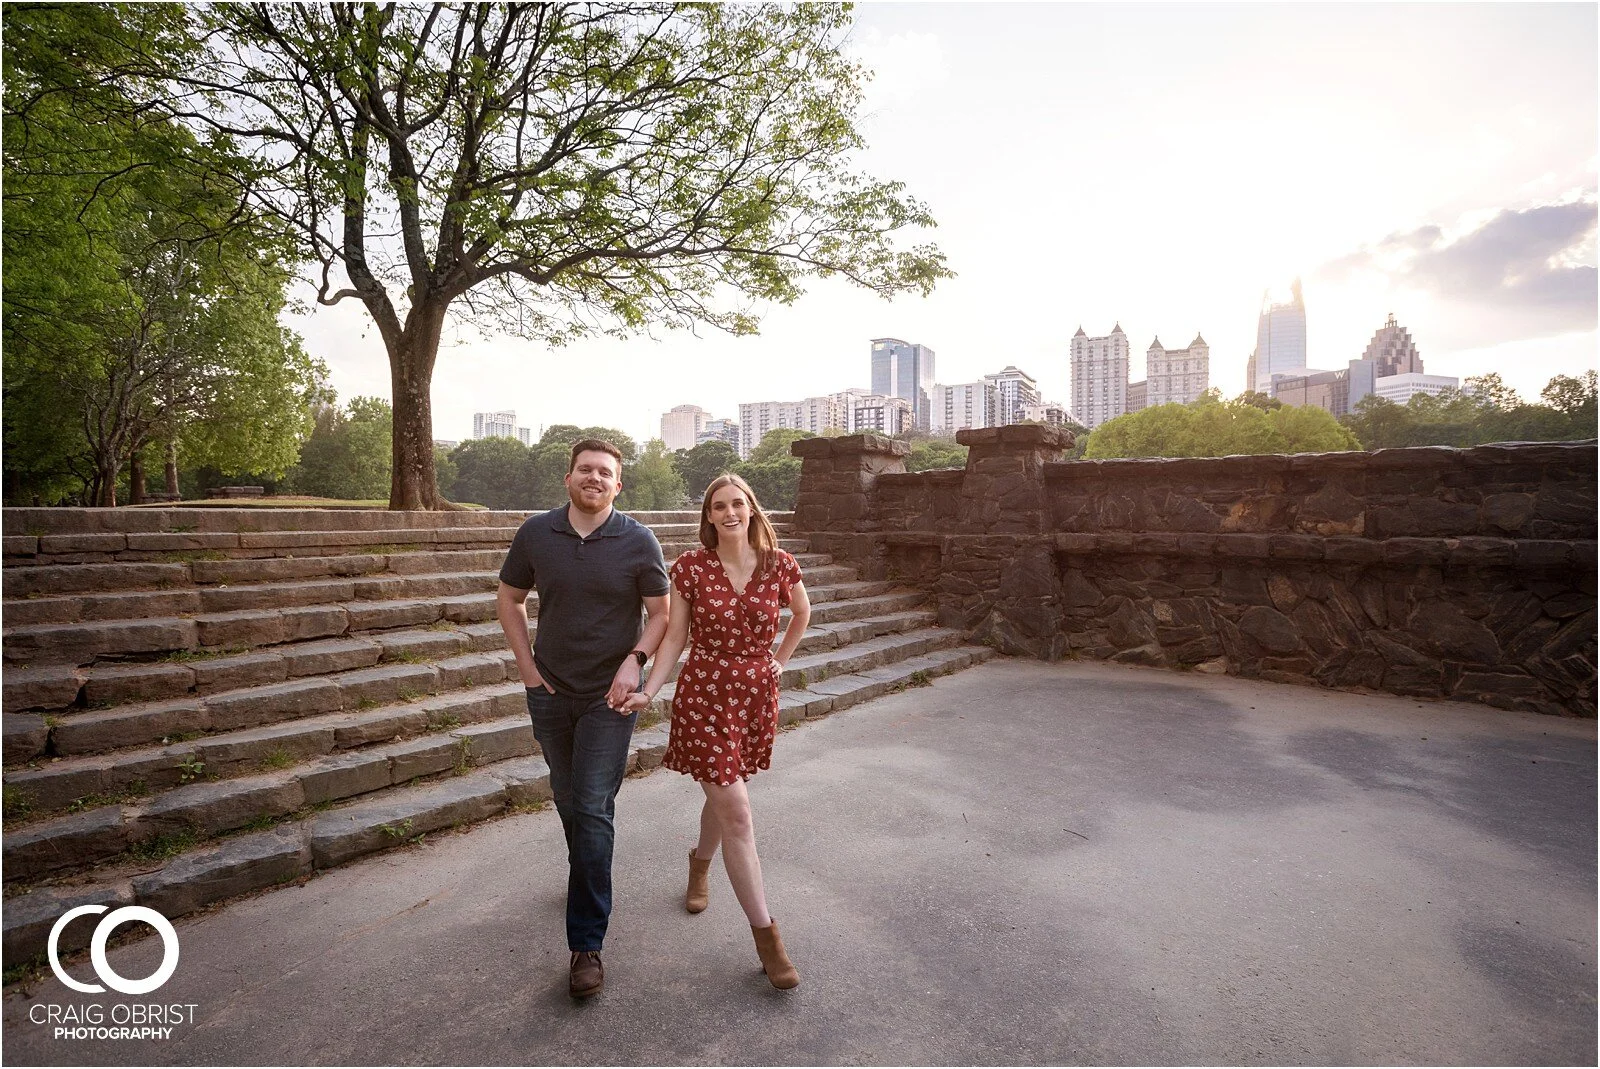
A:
[774,959]
[588,975]
[699,894]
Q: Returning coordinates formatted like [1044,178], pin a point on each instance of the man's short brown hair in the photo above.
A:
[593,445]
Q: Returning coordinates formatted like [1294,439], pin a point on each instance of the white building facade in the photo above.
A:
[499,425]
[962,406]
[681,427]
[1099,376]
[877,414]
[814,414]
[721,430]
[1402,388]
[1176,376]
[1046,412]
[1013,388]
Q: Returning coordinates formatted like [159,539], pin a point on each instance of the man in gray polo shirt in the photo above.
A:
[594,569]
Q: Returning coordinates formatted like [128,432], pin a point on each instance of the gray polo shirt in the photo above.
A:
[591,594]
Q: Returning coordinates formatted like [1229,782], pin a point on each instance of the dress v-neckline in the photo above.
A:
[728,579]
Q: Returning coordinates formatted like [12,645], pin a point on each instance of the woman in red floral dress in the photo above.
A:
[726,598]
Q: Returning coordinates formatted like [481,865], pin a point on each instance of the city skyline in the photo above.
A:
[1389,168]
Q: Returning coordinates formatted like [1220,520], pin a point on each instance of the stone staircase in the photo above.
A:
[198,704]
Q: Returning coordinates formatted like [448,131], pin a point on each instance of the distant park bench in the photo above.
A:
[241,491]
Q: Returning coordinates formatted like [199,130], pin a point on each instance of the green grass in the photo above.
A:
[185,656]
[278,758]
[443,721]
[15,803]
[95,801]
[161,847]
[191,768]
[920,678]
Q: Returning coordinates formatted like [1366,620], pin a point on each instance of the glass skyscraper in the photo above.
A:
[1280,339]
[901,369]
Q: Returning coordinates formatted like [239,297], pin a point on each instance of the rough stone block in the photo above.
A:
[376,615]
[255,627]
[388,683]
[218,807]
[421,645]
[245,749]
[344,776]
[84,733]
[526,780]
[1271,629]
[90,578]
[302,622]
[488,743]
[426,756]
[98,542]
[65,842]
[379,725]
[234,867]
[30,916]
[268,705]
[113,684]
[244,670]
[330,655]
[349,833]
[275,595]
[47,687]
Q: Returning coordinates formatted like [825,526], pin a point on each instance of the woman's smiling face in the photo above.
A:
[730,513]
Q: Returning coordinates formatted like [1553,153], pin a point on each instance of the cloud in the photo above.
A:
[1531,267]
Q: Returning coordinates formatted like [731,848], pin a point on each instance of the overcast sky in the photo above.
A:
[1159,167]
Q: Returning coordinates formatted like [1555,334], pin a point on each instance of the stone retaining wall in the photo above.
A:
[1438,572]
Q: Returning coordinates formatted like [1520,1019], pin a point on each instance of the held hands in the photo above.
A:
[624,686]
[636,702]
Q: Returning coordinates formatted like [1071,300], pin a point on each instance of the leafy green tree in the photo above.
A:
[774,445]
[928,453]
[1211,427]
[142,294]
[776,483]
[552,170]
[496,472]
[698,466]
[1256,399]
[348,454]
[651,483]
[1309,429]
[446,469]
[1486,410]
[1574,397]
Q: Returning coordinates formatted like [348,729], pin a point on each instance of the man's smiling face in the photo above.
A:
[594,481]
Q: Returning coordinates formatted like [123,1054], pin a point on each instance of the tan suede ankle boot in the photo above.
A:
[774,959]
[699,895]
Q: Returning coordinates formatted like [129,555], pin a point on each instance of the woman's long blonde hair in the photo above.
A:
[762,537]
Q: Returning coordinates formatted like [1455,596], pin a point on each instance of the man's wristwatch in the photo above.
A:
[641,656]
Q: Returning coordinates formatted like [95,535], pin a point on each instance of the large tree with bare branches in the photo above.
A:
[551,170]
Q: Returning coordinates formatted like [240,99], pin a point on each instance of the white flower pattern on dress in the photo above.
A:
[733,632]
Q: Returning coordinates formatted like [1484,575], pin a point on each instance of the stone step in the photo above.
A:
[69,778]
[306,843]
[836,611]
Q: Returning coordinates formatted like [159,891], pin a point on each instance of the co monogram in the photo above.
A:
[97,949]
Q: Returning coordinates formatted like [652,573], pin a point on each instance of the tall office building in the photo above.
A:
[1013,389]
[681,427]
[1280,339]
[1403,387]
[963,406]
[499,425]
[1176,376]
[1099,376]
[902,369]
[1392,349]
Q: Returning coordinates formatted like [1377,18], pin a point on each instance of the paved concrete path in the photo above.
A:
[1023,863]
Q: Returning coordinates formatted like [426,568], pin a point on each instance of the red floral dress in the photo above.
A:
[725,706]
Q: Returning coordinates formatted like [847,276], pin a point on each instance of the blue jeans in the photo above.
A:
[585,743]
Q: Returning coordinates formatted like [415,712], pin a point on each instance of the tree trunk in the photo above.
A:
[413,483]
[106,477]
[136,478]
[172,469]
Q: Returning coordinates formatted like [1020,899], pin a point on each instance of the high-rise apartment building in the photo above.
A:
[876,414]
[1013,388]
[681,427]
[1138,396]
[903,369]
[721,430]
[499,425]
[1099,376]
[1392,349]
[1045,412]
[1280,339]
[814,414]
[1176,376]
[962,406]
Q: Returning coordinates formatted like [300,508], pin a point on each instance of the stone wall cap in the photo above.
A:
[1024,435]
[847,445]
